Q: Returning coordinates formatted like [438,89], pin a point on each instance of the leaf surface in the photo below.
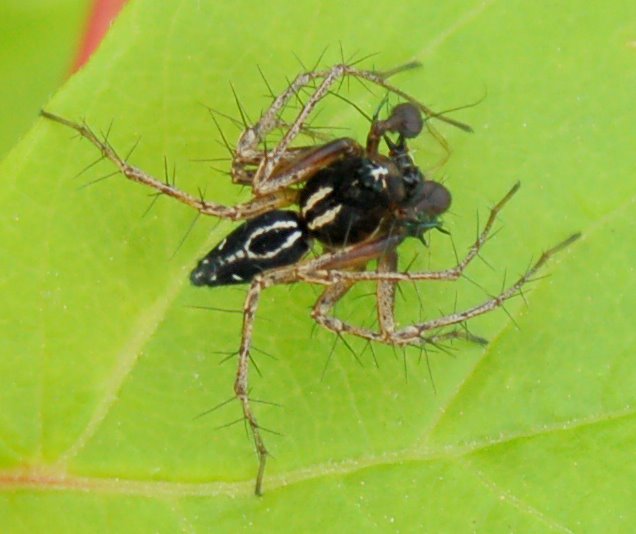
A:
[106,362]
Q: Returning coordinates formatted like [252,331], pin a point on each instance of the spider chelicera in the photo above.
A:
[358,203]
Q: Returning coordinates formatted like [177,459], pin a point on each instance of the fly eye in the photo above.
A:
[437,198]
[406,120]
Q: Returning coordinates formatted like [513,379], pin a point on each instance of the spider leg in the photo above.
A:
[333,293]
[251,139]
[243,174]
[310,162]
[267,166]
[241,384]
[458,333]
[357,256]
[252,208]
[326,302]
[415,332]
[319,270]
[385,292]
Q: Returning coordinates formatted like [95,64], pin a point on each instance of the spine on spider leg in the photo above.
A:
[275,239]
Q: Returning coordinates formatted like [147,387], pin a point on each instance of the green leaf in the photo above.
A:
[106,363]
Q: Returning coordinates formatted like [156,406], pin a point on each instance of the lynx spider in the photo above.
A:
[272,175]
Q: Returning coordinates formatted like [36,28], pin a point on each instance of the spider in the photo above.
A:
[358,203]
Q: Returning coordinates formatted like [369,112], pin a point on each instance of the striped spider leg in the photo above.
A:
[245,210]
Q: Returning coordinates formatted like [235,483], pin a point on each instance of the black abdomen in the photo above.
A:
[274,239]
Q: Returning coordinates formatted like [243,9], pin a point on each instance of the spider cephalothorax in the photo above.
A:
[360,204]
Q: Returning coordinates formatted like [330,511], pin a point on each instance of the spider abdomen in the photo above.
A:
[274,239]
[345,202]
